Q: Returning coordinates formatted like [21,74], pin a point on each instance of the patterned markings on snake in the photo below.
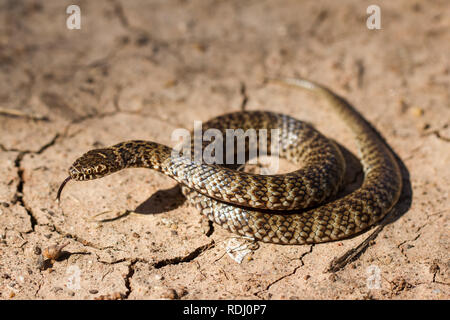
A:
[283,208]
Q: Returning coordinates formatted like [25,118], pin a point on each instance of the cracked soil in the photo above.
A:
[140,69]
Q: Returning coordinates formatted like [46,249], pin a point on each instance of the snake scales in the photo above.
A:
[283,208]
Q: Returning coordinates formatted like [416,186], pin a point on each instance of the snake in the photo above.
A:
[299,207]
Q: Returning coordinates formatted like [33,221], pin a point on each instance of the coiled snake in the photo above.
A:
[283,208]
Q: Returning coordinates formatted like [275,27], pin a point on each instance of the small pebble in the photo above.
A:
[170,83]
[417,112]
[142,40]
[40,263]
[37,250]
[93,291]
[113,296]
[54,252]
[170,294]
[434,267]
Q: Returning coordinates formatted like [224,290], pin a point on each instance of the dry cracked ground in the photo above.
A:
[139,70]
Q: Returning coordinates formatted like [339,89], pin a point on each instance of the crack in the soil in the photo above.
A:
[76,238]
[13,113]
[257,294]
[128,277]
[244,95]
[401,245]
[157,265]
[120,13]
[440,137]
[437,133]
[18,196]
[210,230]
[27,151]
[188,258]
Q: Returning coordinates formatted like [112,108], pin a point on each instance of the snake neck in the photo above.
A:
[141,154]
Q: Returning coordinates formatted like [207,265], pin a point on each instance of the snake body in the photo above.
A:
[283,208]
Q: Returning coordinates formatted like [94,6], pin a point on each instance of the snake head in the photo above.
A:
[94,164]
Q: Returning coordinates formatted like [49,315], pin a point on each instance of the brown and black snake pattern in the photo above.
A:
[272,208]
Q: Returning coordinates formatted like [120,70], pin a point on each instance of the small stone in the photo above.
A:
[54,252]
[181,292]
[434,267]
[93,291]
[142,40]
[40,263]
[116,296]
[170,83]
[170,294]
[37,250]
[417,111]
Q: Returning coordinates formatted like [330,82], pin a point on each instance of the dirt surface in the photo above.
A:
[139,70]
